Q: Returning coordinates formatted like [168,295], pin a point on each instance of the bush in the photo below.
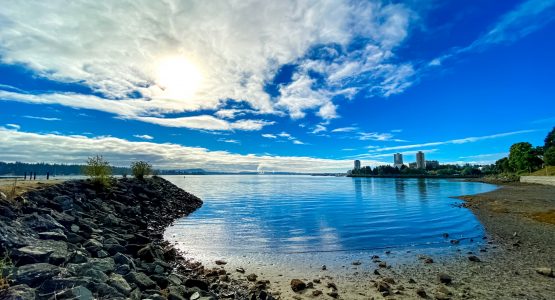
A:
[99,170]
[140,169]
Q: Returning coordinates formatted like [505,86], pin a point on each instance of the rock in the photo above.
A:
[382,264]
[441,296]
[74,228]
[332,286]
[102,254]
[383,287]
[221,262]
[3,197]
[195,296]
[93,246]
[324,267]
[545,271]
[104,291]
[297,285]
[141,280]
[474,258]
[252,277]
[30,255]
[18,292]
[316,280]
[316,293]
[192,283]
[52,235]
[57,284]
[34,274]
[356,263]
[42,222]
[65,202]
[119,283]
[428,260]
[421,292]
[309,285]
[78,292]
[455,242]
[389,280]
[96,275]
[333,294]
[444,278]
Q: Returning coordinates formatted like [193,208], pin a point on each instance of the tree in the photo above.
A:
[523,157]
[99,170]
[140,169]
[549,140]
[549,156]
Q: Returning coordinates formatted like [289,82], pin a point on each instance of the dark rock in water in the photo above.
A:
[141,280]
[78,292]
[474,258]
[221,262]
[297,285]
[201,284]
[34,274]
[21,291]
[444,278]
[316,293]
[324,268]
[383,287]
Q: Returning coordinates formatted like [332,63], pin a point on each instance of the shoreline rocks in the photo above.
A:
[74,240]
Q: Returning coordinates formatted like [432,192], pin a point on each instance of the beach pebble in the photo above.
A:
[421,292]
[333,294]
[332,286]
[240,270]
[474,258]
[297,285]
[220,262]
[317,280]
[252,277]
[444,278]
[324,268]
[317,293]
[545,271]
[356,263]
[382,264]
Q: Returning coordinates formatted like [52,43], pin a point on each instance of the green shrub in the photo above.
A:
[140,169]
[549,156]
[99,170]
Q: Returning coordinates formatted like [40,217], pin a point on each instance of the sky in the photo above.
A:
[303,86]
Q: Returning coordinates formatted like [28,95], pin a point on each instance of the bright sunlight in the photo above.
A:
[179,77]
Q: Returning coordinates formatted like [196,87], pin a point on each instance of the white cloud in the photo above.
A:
[33,147]
[116,48]
[13,126]
[42,118]
[297,142]
[230,141]
[319,128]
[144,136]
[345,129]
[269,136]
[455,141]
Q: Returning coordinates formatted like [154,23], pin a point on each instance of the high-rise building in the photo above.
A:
[432,164]
[357,164]
[398,160]
[420,161]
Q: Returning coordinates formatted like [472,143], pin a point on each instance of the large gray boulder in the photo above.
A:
[34,274]
[19,292]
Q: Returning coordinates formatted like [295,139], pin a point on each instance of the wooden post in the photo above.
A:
[47,175]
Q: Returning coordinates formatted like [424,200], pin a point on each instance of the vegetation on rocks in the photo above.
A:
[99,170]
[140,169]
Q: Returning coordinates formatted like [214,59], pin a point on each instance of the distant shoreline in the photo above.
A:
[417,176]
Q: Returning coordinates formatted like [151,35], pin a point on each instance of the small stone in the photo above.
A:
[316,280]
[221,262]
[389,280]
[297,285]
[332,286]
[316,293]
[310,285]
[376,272]
[356,263]
[545,271]
[421,292]
[382,264]
[333,294]
[252,277]
[195,296]
[240,270]
[444,278]
[429,260]
[445,235]
[74,228]
[455,242]
[412,280]
[474,258]
[324,268]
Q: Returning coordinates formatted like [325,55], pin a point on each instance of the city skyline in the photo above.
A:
[250,91]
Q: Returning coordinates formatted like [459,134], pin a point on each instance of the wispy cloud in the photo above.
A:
[269,136]
[345,129]
[319,128]
[525,19]
[13,126]
[144,136]
[33,147]
[487,155]
[42,118]
[230,141]
[455,141]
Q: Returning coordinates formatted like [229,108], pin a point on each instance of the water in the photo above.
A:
[284,218]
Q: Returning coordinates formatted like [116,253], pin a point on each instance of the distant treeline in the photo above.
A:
[441,170]
[20,168]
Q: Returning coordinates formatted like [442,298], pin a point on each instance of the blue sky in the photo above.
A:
[289,86]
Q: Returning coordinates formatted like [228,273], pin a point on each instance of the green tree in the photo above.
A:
[140,169]
[523,157]
[549,156]
[99,170]
[549,140]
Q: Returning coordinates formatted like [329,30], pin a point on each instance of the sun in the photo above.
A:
[178,77]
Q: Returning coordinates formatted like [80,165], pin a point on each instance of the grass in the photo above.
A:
[5,263]
[547,171]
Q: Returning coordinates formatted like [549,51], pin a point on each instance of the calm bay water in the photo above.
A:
[281,215]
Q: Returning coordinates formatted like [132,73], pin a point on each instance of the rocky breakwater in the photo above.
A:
[78,241]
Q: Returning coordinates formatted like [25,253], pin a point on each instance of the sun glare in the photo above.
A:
[179,77]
